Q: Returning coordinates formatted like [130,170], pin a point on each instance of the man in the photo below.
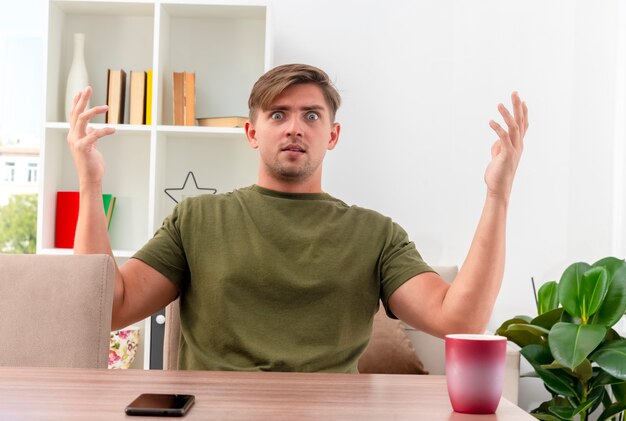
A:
[279,275]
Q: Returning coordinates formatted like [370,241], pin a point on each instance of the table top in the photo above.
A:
[94,394]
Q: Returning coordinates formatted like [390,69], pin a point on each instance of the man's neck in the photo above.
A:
[301,186]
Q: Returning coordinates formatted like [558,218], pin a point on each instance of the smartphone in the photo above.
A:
[164,405]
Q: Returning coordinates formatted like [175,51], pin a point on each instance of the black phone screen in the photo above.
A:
[160,404]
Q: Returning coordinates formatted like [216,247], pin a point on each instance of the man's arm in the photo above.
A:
[139,289]
[428,302]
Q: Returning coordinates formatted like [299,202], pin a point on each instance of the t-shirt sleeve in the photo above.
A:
[400,261]
[165,251]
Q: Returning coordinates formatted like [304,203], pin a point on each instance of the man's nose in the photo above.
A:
[294,127]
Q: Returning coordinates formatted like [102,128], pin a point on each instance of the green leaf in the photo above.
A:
[547,320]
[542,412]
[504,326]
[532,329]
[612,335]
[545,417]
[537,355]
[568,412]
[606,400]
[611,264]
[558,381]
[570,344]
[612,410]
[614,305]
[529,375]
[598,396]
[583,371]
[603,379]
[619,391]
[526,319]
[595,284]
[520,338]
[564,413]
[582,289]
[566,317]
[570,288]
[611,357]
[548,297]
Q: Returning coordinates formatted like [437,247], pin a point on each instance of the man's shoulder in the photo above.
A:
[361,212]
[215,197]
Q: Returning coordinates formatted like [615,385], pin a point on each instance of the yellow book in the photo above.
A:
[149,97]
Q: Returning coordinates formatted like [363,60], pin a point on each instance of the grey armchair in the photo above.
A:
[55,310]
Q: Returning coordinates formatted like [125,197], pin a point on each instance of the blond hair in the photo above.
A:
[275,81]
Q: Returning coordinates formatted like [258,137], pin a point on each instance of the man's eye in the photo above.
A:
[277,116]
[312,116]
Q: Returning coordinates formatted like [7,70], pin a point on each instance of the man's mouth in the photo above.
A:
[293,148]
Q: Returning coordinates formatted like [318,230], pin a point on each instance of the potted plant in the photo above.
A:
[571,344]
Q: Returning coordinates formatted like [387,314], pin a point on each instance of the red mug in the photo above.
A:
[475,372]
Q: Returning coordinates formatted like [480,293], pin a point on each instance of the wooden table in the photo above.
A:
[93,394]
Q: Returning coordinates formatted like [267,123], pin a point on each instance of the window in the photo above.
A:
[31,176]
[21,92]
[9,171]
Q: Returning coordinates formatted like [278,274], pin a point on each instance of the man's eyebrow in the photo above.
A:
[279,107]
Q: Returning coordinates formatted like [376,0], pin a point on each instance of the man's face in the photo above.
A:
[293,136]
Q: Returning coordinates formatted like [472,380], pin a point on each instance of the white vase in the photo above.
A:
[77,78]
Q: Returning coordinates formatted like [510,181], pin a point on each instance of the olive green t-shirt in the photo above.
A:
[278,281]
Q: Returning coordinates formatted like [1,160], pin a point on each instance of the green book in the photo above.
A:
[109,204]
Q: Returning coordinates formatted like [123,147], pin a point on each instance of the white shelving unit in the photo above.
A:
[226,43]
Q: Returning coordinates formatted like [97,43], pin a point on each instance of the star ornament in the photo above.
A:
[178,194]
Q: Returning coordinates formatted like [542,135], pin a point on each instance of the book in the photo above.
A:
[108,200]
[190,99]
[149,97]
[116,94]
[178,95]
[231,121]
[137,97]
[184,98]
[67,216]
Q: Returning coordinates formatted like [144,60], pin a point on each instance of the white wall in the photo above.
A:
[421,79]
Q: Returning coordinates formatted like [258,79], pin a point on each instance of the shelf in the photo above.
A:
[119,128]
[202,132]
[117,35]
[197,131]
[225,42]
[105,8]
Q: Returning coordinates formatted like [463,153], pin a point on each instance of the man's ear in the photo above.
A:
[251,134]
[334,136]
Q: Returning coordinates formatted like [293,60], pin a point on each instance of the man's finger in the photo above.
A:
[84,117]
[105,131]
[94,135]
[518,111]
[81,104]
[525,109]
[513,132]
[502,134]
